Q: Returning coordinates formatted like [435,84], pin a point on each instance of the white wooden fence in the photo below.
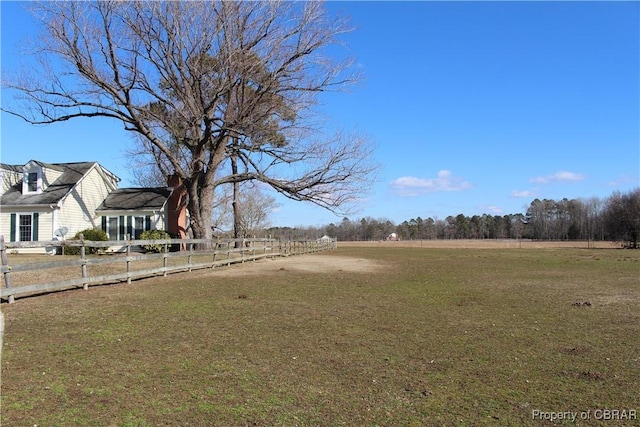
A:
[176,255]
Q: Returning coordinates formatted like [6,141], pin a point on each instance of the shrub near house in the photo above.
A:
[154,235]
[93,235]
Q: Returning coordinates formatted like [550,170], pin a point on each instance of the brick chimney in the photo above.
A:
[177,208]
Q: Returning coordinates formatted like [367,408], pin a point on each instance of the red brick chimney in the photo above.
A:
[177,208]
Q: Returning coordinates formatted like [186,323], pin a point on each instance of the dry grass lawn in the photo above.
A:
[485,244]
[360,336]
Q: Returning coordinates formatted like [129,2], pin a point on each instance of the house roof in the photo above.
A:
[55,166]
[71,174]
[135,199]
[14,168]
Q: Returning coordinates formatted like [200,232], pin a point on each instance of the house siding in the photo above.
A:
[44,226]
[48,176]
[78,210]
[159,222]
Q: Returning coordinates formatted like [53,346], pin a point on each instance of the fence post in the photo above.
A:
[190,255]
[83,257]
[1,330]
[129,262]
[165,259]
[5,263]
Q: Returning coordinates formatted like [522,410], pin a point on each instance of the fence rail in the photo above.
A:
[175,255]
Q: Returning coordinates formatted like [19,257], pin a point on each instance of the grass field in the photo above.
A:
[387,336]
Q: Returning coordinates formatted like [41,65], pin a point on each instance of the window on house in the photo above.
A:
[118,227]
[139,227]
[112,228]
[32,182]
[24,227]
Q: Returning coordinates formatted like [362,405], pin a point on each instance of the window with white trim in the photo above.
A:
[24,227]
[118,227]
[32,180]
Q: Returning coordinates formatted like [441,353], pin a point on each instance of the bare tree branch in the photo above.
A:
[199,82]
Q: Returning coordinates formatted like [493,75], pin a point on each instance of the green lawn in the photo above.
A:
[433,337]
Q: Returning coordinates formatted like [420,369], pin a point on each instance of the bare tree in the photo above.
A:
[200,83]
[147,169]
[255,206]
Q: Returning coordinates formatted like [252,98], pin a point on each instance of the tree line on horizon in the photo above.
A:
[616,218]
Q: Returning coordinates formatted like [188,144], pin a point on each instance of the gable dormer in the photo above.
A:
[32,178]
[37,176]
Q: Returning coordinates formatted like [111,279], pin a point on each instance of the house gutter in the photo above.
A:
[55,211]
[44,205]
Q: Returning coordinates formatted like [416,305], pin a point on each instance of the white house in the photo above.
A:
[42,201]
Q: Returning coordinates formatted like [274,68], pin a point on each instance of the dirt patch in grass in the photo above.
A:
[320,263]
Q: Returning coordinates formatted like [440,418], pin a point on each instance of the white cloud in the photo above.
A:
[522,193]
[562,176]
[409,186]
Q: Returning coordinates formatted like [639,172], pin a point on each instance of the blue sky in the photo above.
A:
[474,107]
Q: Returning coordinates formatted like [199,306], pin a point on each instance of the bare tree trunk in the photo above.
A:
[235,203]
[199,206]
